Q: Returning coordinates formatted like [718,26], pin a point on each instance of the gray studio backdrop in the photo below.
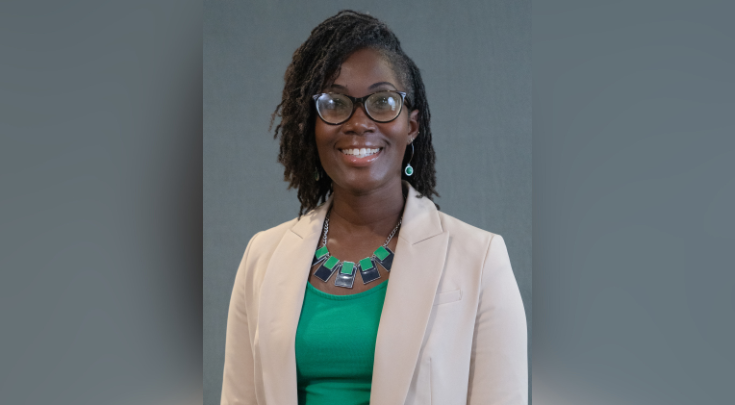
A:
[476,64]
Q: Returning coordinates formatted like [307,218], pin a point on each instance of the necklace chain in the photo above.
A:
[326,231]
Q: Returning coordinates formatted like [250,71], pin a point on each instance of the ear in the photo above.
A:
[413,126]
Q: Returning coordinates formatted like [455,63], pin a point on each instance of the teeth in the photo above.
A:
[360,152]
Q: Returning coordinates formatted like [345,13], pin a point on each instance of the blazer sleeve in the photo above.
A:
[238,384]
[499,367]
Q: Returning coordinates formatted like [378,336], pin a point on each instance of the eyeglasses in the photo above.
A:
[382,106]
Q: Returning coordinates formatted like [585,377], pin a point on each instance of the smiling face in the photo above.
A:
[361,155]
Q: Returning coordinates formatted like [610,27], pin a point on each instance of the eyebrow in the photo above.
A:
[381,84]
[337,86]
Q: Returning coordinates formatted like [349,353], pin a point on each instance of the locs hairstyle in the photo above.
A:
[315,65]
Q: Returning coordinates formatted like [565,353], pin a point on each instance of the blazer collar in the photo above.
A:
[417,268]
[420,219]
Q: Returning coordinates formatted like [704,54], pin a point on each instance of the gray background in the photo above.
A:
[634,191]
[476,65]
[100,202]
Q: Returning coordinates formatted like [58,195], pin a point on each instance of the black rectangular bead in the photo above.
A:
[369,275]
[321,254]
[388,261]
[323,273]
[315,260]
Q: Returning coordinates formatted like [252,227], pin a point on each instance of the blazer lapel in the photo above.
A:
[282,296]
[416,271]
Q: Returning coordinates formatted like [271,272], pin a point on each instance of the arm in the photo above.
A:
[238,385]
[499,369]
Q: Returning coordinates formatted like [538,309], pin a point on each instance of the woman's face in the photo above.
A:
[363,73]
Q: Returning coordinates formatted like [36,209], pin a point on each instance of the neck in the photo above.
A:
[371,211]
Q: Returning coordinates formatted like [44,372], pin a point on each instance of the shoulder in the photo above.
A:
[265,242]
[271,237]
[483,248]
[465,233]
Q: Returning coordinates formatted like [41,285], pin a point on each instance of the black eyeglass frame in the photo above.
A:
[362,100]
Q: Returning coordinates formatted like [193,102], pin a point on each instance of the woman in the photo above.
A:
[371,295]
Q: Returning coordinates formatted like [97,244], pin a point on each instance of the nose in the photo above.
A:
[359,123]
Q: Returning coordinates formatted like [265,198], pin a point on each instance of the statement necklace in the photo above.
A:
[346,270]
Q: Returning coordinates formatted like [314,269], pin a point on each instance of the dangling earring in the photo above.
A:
[316,174]
[409,169]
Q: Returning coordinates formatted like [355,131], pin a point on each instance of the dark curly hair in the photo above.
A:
[315,65]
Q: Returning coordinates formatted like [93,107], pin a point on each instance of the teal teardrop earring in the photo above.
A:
[409,169]
[316,174]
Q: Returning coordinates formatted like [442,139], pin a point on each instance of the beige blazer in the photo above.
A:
[452,330]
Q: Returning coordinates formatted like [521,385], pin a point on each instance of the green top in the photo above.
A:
[335,346]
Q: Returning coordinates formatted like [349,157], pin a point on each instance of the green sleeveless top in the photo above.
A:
[335,346]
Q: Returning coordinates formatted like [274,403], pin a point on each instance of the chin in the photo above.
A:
[363,184]
[361,187]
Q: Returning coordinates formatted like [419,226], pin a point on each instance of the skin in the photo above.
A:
[368,196]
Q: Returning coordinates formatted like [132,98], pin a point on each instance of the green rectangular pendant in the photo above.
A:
[320,255]
[381,253]
[366,264]
[331,262]
[347,267]
[384,256]
[325,271]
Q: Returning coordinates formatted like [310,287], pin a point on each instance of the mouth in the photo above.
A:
[361,152]
[360,157]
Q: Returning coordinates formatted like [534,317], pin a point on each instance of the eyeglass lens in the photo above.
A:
[336,108]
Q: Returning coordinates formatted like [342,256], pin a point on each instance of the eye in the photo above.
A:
[334,103]
[384,102]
